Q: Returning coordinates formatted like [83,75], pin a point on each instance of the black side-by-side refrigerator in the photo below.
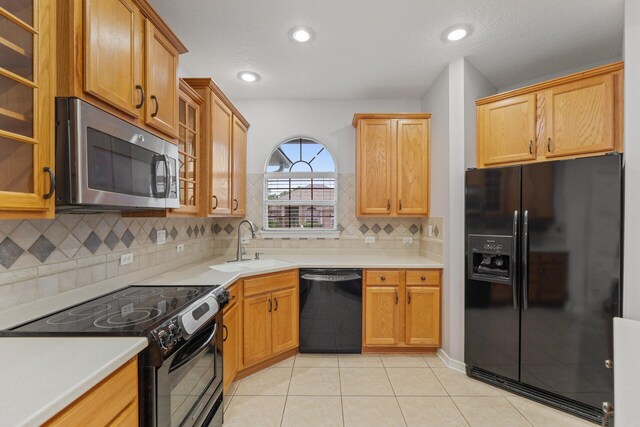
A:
[543,279]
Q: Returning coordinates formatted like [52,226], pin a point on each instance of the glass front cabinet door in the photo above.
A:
[27,77]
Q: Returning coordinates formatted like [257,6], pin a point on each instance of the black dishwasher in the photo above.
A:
[330,311]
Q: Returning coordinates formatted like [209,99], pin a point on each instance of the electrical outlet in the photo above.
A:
[430,231]
[180,248]
[161,237]
[245,240]
[369,239]
[407,240]
[126,259]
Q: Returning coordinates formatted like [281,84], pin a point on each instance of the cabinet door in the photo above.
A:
[161,70]
[580,117]
[257,329]
[111,62]
[230,346]
[27,79]
[220,158]
[423,316]
[239,182]
[413,167]
[374,160]
[508,130]
[284,320]
[382,315]
[189,155]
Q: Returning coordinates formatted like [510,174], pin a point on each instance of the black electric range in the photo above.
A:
[180,373]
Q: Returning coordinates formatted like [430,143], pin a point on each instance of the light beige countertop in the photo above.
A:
[40,376]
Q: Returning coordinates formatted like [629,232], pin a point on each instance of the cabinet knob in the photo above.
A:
[423,278]
[383,278]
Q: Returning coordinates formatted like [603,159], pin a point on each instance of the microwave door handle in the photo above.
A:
[167,176]
[181,361]
[154,176]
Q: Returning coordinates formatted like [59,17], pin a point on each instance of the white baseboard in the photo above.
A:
[456,365]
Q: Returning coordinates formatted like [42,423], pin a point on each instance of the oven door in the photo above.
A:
[189,382]
[118,164]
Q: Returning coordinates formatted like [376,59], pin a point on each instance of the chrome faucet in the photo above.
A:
[240,251]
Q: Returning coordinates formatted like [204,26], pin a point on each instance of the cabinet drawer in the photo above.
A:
[270,283]
[234,295]
[423,277]
[382,277]
[104,404]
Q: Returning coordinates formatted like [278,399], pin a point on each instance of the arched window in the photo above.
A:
[300,193]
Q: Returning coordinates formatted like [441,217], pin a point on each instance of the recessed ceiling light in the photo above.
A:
[248,76]
[457,34]
[300,34]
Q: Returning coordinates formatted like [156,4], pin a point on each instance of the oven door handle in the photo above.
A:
[181,361]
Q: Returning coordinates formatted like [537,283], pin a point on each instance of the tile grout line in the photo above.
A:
[450,397]
[394,394]
[286,398]
[341,397]
[518,411]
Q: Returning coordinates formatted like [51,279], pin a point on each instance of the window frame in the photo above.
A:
[299,232]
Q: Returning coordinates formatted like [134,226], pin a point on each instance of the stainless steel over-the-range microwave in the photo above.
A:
[105,163]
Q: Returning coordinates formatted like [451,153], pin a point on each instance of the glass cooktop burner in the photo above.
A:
[129,311]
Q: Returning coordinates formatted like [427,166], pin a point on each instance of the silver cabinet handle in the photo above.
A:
[525,260]
[514,285]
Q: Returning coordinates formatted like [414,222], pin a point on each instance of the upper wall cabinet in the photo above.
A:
[224,147]
[93,35]
[27,79]
[574,116]
[392,164]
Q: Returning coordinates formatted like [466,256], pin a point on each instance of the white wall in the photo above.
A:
[476,86]
[631,291]
[436,102]
[328,121]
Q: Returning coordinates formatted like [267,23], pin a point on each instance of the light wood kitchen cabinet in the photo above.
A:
[161,78]
[392,164]
[113,35]
[422,320]
[239,169]
[232,321]
[577,115]
[113,402]
[401,309]
[224,140]
[382,316]
[270,311]
[27,83]
[508,129]
[93,35]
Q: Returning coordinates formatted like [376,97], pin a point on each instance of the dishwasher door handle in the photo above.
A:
[331,278]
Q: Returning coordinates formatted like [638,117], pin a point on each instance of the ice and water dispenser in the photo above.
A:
[491,258]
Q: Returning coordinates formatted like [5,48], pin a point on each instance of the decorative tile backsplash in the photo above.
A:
[43,258]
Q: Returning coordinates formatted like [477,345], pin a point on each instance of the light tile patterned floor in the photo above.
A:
[378,391]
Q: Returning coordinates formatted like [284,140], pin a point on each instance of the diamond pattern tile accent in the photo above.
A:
[340,228]
[363,228]
[376,228]
[414,229]
[196,231]
[92,242]
[202,230]
[42,248]
[229,228]
[173,233]
[216,229]
[388,229]
[127,238]
[153,235]
[111,240]
[436,231]
[9,252]
[189,231]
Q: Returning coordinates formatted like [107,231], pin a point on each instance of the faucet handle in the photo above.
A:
[243,251]
[258,255]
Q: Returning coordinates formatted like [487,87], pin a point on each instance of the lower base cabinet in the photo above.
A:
[113,402]
[402,309]
[231,336]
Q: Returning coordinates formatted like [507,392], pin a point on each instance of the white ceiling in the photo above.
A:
[385,48]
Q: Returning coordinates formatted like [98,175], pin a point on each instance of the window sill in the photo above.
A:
[302,234]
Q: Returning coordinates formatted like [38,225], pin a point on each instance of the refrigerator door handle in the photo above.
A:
[514,276]
[525,260]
